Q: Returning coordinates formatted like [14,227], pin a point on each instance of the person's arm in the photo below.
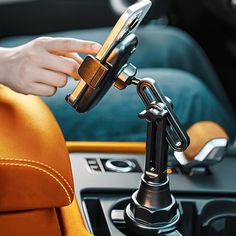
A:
[42,65]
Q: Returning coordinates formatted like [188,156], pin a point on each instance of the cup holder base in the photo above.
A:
[214,217]
[200,215]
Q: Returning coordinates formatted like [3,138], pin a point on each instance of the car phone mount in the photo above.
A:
[153,209]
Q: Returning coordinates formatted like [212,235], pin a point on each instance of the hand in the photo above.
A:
[42,65]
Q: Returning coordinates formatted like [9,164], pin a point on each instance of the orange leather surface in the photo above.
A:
[119,147]
[35,169]
[200,133]
[71,221]
[30,223]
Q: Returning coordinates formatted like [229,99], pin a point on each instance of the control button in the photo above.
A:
[170,171]
[199,171]
[117,215]
[120,165]
[95,167]
[92,161]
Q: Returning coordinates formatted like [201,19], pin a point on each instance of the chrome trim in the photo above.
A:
[111,166]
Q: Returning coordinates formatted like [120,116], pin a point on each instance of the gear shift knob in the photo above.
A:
[207,147]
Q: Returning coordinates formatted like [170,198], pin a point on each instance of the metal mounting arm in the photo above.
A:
[150,93]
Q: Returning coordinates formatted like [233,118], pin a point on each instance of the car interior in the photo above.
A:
[52,186]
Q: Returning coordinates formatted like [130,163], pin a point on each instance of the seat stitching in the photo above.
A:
[37,168]
[38,162]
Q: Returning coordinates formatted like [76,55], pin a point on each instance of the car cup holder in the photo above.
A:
[199,217]
[218,218]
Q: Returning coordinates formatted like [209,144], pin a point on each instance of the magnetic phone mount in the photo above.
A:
[152,210]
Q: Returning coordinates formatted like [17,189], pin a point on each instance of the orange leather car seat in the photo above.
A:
[35,173]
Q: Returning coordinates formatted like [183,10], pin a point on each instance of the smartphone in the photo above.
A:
[99,73]
[127,23]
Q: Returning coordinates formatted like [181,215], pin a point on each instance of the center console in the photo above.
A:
[151,194]
[105,181]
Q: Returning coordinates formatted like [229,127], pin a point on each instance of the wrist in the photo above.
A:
[5,61]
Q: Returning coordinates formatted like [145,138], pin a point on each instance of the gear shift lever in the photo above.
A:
[208,145]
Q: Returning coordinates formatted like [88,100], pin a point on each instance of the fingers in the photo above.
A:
[51,78]
[40,89]
[61,64]
[71,55]
[72,45]
[44,63]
